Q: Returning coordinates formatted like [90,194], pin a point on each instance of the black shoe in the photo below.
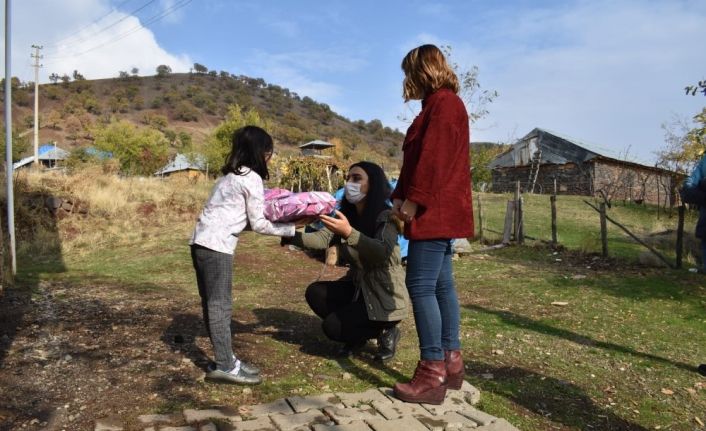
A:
[702,369]
[387,343]
[350,348]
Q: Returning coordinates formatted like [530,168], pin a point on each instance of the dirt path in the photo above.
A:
[71,355]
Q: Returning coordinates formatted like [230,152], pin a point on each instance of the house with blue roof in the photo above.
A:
[49,156]
[543,160]
[192,167]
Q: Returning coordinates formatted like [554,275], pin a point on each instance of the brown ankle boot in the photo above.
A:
[454,368]
[427,386]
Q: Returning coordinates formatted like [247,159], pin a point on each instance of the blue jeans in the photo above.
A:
[433,293]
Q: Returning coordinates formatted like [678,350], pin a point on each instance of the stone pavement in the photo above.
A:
[372,410]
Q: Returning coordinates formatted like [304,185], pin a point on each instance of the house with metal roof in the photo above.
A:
[193,167]
[543,160]
[316,148]
[49,156]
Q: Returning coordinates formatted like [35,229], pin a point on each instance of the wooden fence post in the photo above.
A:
[480,218]
[604,230]
[507,229]
[519,234]
[552,200]
[680,236]
[520,223]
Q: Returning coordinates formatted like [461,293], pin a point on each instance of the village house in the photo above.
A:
[49,156]
[316,148]
[184,167]
[543,158]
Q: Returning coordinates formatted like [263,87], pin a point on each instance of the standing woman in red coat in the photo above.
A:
[433,197]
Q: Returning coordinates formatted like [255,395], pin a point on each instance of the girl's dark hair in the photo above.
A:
[376,200]
[250,146]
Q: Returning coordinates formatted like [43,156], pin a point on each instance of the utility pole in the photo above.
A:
[36,66]
[8,140]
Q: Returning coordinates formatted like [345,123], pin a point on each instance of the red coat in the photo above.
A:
[436,170]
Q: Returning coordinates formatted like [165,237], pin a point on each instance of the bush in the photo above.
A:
[140,151]
[185,111]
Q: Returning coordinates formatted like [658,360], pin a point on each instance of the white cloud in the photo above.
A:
[298,71]
[74,38]
[604,72]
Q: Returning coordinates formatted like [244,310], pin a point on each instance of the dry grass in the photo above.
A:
[120,210]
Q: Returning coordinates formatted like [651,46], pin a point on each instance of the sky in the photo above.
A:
[608,73]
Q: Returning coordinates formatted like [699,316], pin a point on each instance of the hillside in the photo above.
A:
[188,106]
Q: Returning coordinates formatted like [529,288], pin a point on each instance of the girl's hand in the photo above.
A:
[408,210]
[304,222]
[339,225]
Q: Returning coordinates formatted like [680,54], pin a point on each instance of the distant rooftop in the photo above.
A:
[183,163]
[47,152]
[316,145]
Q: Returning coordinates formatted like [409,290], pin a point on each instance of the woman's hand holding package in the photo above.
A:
[339,225]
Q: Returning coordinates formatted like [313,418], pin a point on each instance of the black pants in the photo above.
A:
[345,320]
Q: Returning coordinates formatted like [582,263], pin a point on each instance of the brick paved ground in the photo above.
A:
[372,410]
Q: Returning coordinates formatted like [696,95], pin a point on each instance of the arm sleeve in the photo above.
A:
[691,192]
[255,207]
[318,240]
[378,249]
[442,130]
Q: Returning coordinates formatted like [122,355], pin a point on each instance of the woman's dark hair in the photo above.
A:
[376,200]
[251,144]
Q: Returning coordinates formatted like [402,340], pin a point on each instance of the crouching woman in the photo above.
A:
[371,299]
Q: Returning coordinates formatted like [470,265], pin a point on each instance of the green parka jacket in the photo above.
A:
[376,266]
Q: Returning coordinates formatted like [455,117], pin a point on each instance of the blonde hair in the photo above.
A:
[426,70]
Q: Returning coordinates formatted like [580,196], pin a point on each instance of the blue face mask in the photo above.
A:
[353,194]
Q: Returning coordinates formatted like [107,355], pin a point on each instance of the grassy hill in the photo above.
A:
[189,106]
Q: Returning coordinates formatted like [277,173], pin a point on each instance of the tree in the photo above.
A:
[475,98]
[685,144]
[219,143]
[54,78]
[163,71]
[200,68]
[482,153]
[65,79]
[699,87]
[184,142]
[53,119]
[185,111]
[140,151]
[20,144]
[123,75]
[135,71]
[78,77]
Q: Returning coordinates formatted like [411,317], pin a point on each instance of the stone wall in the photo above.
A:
[618,181]
[633,184]
[571,179]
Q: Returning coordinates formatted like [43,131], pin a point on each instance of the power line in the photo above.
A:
[90,36]
[121,36]
[95,21]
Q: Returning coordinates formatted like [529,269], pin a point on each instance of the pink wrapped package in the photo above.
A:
[284,206]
